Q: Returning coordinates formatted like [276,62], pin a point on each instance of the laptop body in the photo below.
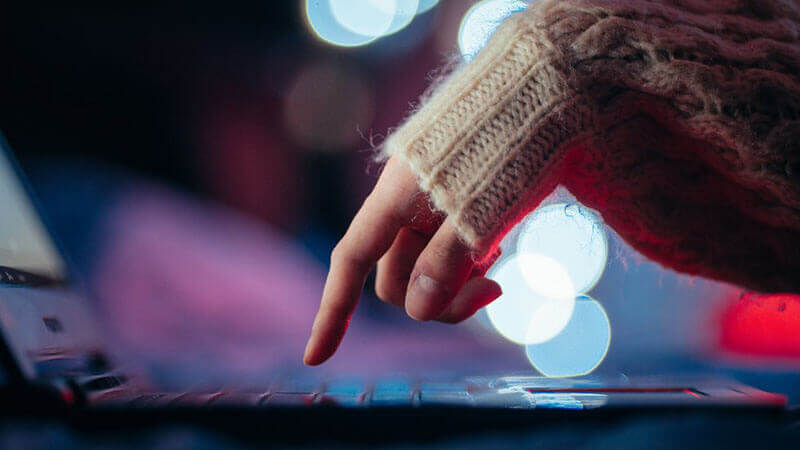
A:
[54,361]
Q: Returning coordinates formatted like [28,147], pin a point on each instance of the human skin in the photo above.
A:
[423,265]
[689,148]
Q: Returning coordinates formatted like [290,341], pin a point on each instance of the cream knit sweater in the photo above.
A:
[679,120]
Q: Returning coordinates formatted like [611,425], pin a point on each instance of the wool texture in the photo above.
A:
[678,120]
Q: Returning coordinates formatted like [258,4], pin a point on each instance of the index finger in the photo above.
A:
[386,210]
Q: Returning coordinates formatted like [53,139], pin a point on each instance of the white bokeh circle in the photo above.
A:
[365,17]
[523,315]
[570,234]
[579,348]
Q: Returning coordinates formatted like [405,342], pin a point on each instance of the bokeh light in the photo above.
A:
[523,315]
[570,234]
[353,23]
[481,21]
[579,348]
[364,17]
[321,20]
[549,261]
[404,13]
[326,106]
[426,5]
[545,275]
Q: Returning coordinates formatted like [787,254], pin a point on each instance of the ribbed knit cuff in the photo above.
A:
[485,145]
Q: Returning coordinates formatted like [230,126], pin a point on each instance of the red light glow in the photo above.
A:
[763,325]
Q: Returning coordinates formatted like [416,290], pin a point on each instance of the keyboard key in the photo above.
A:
[238,399]
[514,398]
[154,400]
[290,399]
[115,398]
[444,394]
[191,399]
[347,393]
[446,399]
[343,400]
[393,393]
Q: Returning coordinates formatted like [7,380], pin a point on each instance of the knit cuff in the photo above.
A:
[486,144]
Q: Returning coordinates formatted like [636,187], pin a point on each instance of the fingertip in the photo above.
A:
[441,270]
[312,362]
[493,289]
[309,355]
[485,291]
[317,354]
[419,316]
[322,344]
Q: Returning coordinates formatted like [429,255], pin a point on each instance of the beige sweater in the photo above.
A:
[679,120]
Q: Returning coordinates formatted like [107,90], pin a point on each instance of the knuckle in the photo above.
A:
[441,253]
[394,202]
[338,252]
[448,255]
[343,254]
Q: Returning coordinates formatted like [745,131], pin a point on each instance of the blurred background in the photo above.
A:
[199,160]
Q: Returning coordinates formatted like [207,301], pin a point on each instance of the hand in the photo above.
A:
[685,142]
[423,266]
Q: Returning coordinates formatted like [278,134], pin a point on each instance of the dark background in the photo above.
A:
[155,89]
[120,82]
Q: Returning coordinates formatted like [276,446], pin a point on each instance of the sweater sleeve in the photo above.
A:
[487,143]
[678,120]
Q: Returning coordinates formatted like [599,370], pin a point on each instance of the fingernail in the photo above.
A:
[427,298]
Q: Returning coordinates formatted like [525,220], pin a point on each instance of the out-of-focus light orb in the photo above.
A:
[545,275]
[579,348]
[521,314]
[337,30]
[352,23]
[481,21]
[426,5]
[365,17]
[570,234]
[404,13]
[325,106]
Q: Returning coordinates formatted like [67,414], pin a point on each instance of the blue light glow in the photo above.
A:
[570,234]
[404,13]
[365,17]
[579,348]
[426,5]
[559,249]
[327,28]
[522,314]
[353,23]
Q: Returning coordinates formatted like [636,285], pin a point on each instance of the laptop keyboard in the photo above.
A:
[348,393]
[515,392]
[343,393]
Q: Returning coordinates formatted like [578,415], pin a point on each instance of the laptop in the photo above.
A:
[54,361]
